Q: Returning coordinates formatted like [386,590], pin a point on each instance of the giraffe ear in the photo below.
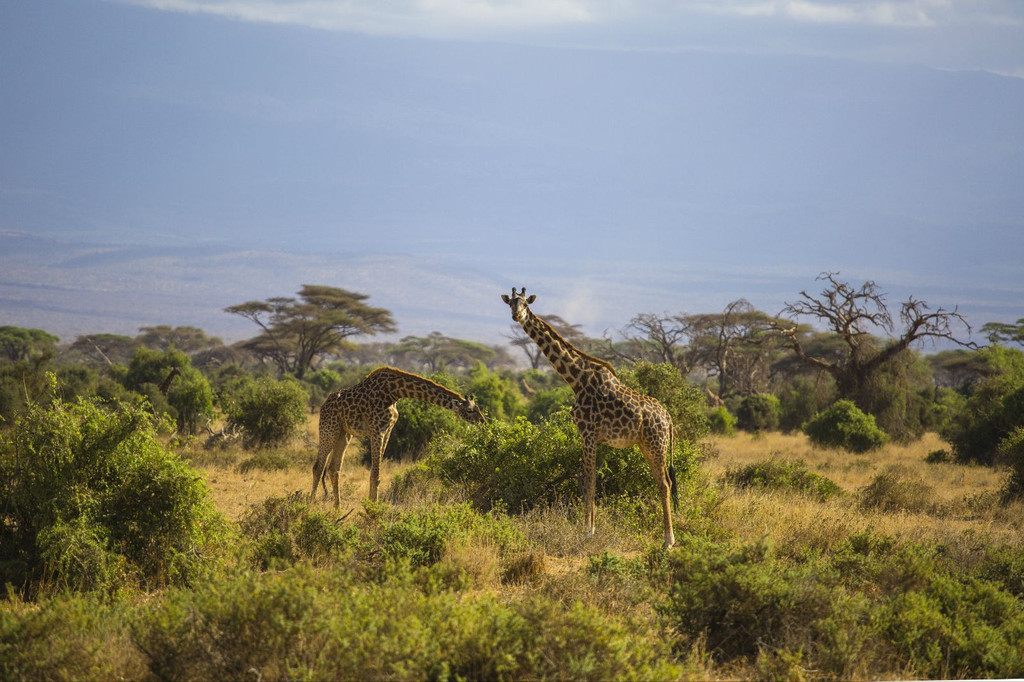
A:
[505,298]
[531,299]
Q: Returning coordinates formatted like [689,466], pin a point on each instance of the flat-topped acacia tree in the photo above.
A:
[298,330]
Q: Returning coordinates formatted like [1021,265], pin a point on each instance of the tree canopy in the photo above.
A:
[297,331]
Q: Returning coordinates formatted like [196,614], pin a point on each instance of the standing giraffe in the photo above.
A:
[606,411]
[368,409]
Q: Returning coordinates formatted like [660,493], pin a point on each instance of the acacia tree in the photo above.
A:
[436,352]
[736,346]
[856,316]
[1004,333]
[320,321]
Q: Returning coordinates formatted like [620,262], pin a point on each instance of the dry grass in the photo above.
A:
[960,498]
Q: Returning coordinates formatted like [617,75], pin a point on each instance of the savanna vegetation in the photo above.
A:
[850,505]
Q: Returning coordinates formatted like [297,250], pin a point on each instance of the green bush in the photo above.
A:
[1010,455]
[777,475]
[92,498]
[75,636]
[721,422]
[285,530]
[759,412]
[189,398]
[546,402]
[268,411]
[890,491]
[844,426]
[994,408]
[301,624]
[740,600]
[521,465]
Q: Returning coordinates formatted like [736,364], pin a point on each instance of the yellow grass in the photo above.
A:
[786,518]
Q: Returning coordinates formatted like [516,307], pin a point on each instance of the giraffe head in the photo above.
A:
[518,302]
[470,411]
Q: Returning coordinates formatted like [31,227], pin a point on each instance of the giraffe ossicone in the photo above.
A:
[368,410]
[606,411]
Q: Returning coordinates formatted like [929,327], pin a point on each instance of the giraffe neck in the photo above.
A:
[407,385]
[570,362]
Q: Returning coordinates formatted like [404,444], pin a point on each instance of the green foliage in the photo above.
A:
[18,344]
[522,465]
[759,412]
[496,395]
[995,407]
[741,599]
[297,624]
[92,498]
[286,530]
[268,411]
[73,636]
[421,536]
[684,401]
[189,398]
[1011,456]
[774,474]
[546,402]
[844,426]
[721,421]
[801,398]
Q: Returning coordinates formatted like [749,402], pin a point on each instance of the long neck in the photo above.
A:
[408,385]
[570,362]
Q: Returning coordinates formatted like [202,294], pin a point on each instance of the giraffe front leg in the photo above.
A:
[589,482]
[322,456]
[335,466]
[377,444]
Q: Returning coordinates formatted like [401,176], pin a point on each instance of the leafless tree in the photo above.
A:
[857,316]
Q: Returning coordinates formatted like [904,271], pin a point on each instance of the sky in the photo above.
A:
[615,157]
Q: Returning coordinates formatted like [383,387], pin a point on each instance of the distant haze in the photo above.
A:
[162,160]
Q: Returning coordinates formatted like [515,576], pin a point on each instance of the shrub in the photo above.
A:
[1011,456]
[844,426]
[284,530]
[188,399]
[759,412]
[892,492]
[69,637]
[268,411]
[740,600]
[995,407]
[92,497]
[522,465]
[776,475]
[721,422]
[301,624]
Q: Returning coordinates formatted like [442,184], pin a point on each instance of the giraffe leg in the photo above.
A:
[589,481]
[323,454]
[378,443]
[657,460]
[335,465]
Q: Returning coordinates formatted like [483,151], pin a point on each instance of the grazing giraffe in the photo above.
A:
[368,409]
[606,411]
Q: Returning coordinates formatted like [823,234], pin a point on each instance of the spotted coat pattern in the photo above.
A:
[606,411]
[368,410]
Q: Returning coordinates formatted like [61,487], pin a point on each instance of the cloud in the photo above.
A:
[437,18]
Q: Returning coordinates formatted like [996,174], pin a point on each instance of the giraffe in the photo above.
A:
[368,409]
[606,411]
